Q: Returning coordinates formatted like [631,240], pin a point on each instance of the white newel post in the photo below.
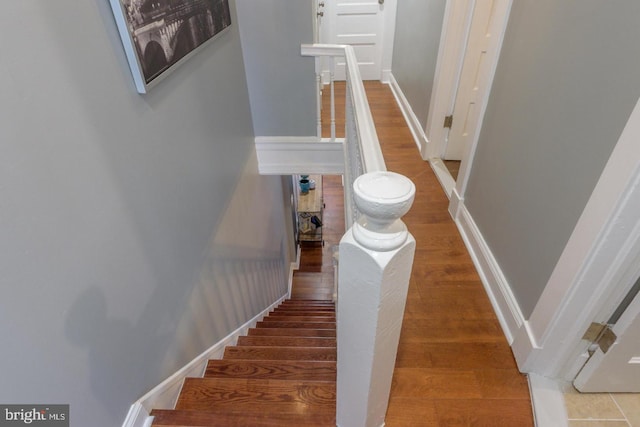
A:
[376,256]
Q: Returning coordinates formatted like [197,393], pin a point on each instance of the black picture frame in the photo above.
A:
[159,35]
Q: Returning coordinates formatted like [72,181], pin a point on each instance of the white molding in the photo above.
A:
[444,176]
[388,39]
[496,285]
[165,394]
[419,136]
[469,154]
[455,201]
[548,402]
[294,266]
[453,42]
[597,266]
[290,155]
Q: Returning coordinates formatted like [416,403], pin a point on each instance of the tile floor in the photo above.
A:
[602,409]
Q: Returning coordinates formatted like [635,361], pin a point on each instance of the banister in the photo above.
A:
[375,256]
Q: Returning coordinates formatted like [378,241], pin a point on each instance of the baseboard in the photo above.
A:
[165,395]
[415,127]
[495,284]
[547,401]
[444,176]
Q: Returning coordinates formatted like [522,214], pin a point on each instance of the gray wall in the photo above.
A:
[281,82]
[567,80]
[415,51]
[135,231]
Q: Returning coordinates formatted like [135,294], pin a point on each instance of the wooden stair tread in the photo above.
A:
[302,309]
[287,341]
[298,318]
[254,396]
[178,418]
[307,301]
[280,353]
[272,369]
[288,313]
[292,332]
[292,324]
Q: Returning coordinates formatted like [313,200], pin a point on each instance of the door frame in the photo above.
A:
[595,270]
[451,54]
[388,36]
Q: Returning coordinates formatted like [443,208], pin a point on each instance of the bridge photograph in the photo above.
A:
[164,31]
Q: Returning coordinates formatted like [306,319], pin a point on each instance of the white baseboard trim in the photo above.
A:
[548,402]
[415,127]
[496,285]
[385,77]
[289,155]
[444,176]
[165,395]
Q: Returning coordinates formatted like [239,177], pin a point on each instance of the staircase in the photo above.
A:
[282,373]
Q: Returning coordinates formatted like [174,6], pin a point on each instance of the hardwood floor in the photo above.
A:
[454,366]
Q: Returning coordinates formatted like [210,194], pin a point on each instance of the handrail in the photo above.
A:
[362,147]
[372,158]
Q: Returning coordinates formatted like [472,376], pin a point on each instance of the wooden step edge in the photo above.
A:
[181,418]
[291,332]
[267,341]
[296,370]
[280,353]
[302,325]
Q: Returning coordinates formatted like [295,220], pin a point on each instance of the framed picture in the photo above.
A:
[159,35]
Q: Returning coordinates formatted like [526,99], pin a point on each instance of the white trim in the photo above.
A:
[415,127]
[453,43]
[294,266]
[165,394]
[290,155]
[388,39]
[596,267]
[467,157]
[547,400]
[502,299]
[443,175]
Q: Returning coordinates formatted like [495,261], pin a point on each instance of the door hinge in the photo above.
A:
[448,121]
[601,335]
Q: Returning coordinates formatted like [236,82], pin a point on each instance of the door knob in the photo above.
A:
[321,4]
[320,13]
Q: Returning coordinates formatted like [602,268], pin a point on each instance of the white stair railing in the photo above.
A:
[375,258]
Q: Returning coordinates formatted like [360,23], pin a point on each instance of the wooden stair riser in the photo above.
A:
[281,353]
[178,418]
[277,369]
[287,341]
[298,318]
[307,303]
[291,332]
[326,315]
[301,325]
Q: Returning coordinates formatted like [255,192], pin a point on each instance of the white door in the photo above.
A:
[617,370]
[361,24]
[483,44]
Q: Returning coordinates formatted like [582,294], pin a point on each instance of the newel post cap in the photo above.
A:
[382,198]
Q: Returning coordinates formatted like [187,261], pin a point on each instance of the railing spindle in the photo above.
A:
[333,98]
[319,95]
